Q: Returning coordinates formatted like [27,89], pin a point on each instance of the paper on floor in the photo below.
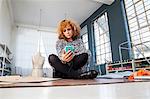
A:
[18,79]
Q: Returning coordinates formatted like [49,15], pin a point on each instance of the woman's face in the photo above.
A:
[68,32]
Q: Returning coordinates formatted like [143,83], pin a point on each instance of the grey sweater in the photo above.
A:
[79,47]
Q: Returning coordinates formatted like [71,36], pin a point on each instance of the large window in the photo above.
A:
[84,36]
[102,40]
[138,15]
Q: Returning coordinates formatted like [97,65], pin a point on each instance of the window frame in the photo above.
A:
[98,16]
[138,30]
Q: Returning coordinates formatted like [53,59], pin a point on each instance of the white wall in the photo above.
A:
[0,3]
[25,43]
[5,23]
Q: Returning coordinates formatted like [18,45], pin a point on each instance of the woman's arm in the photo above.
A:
[63,56]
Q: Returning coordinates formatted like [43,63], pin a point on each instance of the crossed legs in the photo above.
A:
[66,70]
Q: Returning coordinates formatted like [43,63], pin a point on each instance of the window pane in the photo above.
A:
[84,37]
[102,40]
[138,15]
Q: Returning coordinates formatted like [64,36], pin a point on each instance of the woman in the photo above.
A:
[68,64]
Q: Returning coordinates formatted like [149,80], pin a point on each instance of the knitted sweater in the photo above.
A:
[79,47]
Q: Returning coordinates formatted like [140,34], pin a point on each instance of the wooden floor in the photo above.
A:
[68,82]
[77,89]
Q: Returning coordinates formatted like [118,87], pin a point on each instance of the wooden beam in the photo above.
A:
[108,2]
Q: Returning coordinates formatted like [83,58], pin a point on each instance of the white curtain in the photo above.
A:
[26,45]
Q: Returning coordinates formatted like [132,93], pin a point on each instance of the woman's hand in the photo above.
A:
[67,56]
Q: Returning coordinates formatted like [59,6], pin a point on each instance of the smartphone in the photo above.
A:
[69,47]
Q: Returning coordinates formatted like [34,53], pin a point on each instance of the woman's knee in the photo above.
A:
[84,56]
[52,58]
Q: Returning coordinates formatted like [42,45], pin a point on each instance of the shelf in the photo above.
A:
[148,67]
[135,61]
[6,59]
[4,70]
[7,49]
[118,63]
[120,70]
[129,66]
[141,60]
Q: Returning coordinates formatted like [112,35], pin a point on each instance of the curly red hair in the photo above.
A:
[74,26]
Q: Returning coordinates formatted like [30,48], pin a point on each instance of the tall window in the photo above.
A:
[84,36]
[138,15]
[102,40]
